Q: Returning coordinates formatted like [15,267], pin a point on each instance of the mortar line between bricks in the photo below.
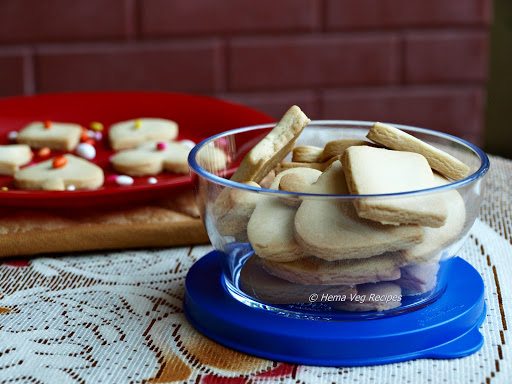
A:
[132,19]
[222,74]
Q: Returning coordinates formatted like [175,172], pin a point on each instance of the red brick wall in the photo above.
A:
[412,62]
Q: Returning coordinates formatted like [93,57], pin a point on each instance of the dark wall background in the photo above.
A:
[498,131]
[412,62]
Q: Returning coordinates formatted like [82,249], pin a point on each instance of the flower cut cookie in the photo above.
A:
[129,134]
[56,136]
[151,158]
[59,174]
[12,157]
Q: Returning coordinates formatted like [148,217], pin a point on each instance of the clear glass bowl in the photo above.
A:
[309,255]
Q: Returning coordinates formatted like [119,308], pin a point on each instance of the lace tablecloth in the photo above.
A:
[117,317]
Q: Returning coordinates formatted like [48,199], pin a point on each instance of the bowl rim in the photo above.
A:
[478,174]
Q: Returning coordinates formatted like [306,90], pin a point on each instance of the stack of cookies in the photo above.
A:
[361,251]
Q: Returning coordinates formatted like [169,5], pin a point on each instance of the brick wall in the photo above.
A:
[412,62]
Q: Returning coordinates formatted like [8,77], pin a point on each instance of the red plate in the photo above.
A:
[198,117]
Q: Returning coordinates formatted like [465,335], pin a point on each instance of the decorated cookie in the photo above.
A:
[312,270]
[151,158]
[270,229]
[441,161]
[372,297]
[332,230]
[50,134]
[371,170]
[258,283]
[273,148]
[59,173]
[12,157]
[131,133]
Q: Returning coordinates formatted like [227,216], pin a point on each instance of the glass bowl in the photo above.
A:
[310,255]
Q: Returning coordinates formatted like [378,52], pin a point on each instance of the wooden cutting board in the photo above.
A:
[166,222]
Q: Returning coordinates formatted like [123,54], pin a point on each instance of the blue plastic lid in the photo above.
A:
[448,328]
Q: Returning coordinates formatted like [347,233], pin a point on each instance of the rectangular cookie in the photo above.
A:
[370,171]
[440,161]
[272,148]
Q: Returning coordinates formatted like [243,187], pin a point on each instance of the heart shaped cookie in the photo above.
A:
[60,173]
[58,136]
[131,133]
[331,229]
[12,157]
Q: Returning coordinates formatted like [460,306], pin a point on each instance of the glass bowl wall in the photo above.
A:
[309,255]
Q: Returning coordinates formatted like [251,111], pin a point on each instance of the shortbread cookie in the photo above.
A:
[295,182]
[131,133]
[312,270]
[233,208]
[74,171]
[371,171]
[308,154]
[270,228]
[12,157]
[258,283]
[435,239]
[338,147]
[419,278]
[151,158]
[442,162]
[212,159]
[372,297]
[330,229]
[293,164]
[273,148]
[57,136]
